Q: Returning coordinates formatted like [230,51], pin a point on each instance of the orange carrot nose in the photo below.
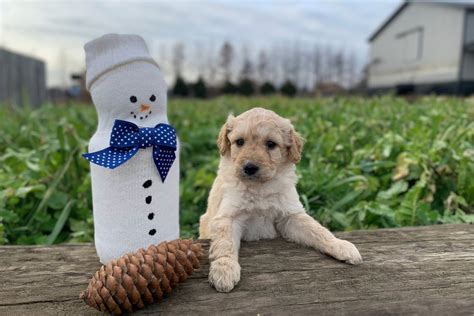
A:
[144,107]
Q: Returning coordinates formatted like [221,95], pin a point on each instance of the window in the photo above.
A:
[411,44]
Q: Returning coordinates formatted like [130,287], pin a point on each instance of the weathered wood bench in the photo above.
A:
[425,270]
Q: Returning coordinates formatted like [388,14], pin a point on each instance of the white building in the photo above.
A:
[424,48]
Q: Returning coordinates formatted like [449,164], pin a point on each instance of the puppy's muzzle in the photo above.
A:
[250,169]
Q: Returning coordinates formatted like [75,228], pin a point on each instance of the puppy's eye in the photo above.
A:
[240,142]
[270,144]
[133,99]
[152,98]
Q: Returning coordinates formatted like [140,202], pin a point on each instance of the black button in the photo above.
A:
[148,199]
[147,184]
[150,216]
[152,232]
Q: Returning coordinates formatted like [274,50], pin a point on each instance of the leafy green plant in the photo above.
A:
[367,163]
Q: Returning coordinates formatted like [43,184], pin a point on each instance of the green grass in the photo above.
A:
[367,163]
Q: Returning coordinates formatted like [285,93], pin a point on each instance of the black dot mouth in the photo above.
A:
[141,117]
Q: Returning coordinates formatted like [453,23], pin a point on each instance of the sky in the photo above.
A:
[56,30]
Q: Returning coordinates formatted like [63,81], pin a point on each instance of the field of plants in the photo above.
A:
[367,163]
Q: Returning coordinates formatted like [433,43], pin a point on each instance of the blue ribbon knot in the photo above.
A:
[127,138]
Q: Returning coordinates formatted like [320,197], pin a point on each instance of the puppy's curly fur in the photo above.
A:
[254,195]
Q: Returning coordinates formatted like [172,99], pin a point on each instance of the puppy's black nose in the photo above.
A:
[250,169]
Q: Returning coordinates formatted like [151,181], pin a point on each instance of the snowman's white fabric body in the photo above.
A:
[132,206]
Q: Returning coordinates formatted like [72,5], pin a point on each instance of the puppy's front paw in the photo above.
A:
[345,251]
[224,274]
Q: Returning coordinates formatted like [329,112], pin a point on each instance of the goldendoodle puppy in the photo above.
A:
[254,196]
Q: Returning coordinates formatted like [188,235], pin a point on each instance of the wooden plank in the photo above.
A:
[423,270]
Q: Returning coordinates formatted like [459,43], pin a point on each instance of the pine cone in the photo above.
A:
[140,278]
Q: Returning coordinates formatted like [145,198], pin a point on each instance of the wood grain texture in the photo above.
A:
[423,270]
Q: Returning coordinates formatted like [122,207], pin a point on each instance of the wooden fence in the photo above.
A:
[22,79]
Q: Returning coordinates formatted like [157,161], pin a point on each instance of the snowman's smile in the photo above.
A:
[140,115]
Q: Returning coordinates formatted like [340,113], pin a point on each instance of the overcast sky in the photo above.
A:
[56,31]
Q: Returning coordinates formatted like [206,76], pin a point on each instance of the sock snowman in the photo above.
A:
[134,152]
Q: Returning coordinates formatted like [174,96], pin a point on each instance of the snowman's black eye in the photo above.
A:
[152,98]
[133,99]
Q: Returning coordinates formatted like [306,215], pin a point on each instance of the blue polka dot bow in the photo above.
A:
[127,138]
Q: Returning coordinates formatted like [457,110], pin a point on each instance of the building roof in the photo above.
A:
[4,50]
[379,30]
[404,4]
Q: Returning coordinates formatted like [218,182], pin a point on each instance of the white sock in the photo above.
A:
[132,207]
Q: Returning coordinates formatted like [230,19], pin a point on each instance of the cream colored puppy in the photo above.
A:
[254,196]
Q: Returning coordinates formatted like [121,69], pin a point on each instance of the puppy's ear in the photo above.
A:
[296,146]
[223,141]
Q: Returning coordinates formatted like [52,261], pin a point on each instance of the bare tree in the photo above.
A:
[351,69]
[198,59]
[338,63]
[303,64]
[226,59]
[275,71]
[306,69]
[247,70]
[262,67]
[317,65]
[178,59]
[286,63]
[211,66]
[294,63]
[328,68]
[296,67]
